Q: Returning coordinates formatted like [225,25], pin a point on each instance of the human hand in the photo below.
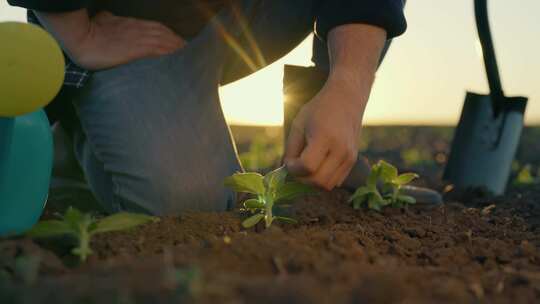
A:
[105,40]
[322,145]
[114,40]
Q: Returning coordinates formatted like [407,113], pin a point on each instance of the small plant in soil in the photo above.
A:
[270,190]
[383,188]
[83,226]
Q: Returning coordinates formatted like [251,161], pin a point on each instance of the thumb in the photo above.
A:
[295,144]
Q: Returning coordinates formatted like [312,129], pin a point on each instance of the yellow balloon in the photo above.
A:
[31,68]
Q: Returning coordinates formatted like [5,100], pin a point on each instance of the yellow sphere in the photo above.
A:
[31,68]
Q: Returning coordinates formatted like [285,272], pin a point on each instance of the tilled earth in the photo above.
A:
[485,251]
[473,249]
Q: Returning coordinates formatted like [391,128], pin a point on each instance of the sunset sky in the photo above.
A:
[427,72]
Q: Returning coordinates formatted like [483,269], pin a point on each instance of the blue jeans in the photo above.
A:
[152,134]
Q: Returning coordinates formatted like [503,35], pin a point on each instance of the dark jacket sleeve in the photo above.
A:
[387,14]
[51,5]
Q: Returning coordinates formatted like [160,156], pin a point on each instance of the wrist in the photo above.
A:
[71,29]
[356,86]
[351,77]
[80,50]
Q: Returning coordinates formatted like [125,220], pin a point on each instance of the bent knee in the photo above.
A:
[191,195]
[172,191]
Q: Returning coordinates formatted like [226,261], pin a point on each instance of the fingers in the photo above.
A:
[295,144]
[324,175]
[161,31]
[310,160]
[335,169]
[161,43]
[323,164]
[148,37]
[159,36]
[344,170]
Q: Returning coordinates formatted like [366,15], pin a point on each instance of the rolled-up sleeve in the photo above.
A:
[387,14]
[51,5]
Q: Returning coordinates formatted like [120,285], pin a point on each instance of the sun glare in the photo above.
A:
[258,99]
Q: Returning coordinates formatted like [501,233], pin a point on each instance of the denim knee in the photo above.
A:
[161,187]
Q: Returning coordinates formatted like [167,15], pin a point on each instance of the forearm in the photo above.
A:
[69,28]
[355,51]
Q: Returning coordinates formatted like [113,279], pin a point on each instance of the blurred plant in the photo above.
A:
[270,189]
[82,226]
[262,153]
[416,157]
[525,177]
[383,188]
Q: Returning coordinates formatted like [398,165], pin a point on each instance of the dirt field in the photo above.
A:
[474,249]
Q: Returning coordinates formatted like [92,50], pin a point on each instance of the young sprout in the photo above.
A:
[269,190]
[82,227]
[383,188]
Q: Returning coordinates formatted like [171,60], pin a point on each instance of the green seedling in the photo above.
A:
[269,190]
[525,176]
[383,188]
[83,226]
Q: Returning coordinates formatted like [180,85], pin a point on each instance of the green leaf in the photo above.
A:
[122,221]
[78,220]
[361,192]
[292,190]
[375,203]
[387,189]
[286,219]
[357,203]
[373,176]
[73,215]
[51,228]
[253,203]
[405,178]
[387,172]
[246,182]
[408,200]
[275,179]
[252,221]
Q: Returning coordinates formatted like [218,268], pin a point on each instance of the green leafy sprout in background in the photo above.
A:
[82,227]
[269,190]
[383,188]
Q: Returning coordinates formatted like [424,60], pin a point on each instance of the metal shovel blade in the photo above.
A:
[484,143]
[487,137]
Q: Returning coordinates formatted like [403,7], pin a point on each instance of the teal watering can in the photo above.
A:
[28,81]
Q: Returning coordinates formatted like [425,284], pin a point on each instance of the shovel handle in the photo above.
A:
[488,50]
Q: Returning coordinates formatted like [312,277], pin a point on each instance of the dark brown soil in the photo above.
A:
[474,249]
[451,254]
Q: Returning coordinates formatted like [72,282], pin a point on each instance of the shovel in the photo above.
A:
[488,133]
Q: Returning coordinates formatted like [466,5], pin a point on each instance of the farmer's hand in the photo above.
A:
[322,145]
[106,40]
